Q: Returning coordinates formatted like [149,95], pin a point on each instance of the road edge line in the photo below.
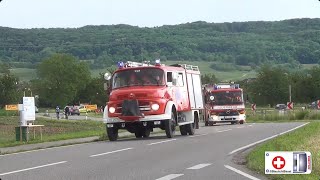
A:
[265,139]
[241,172]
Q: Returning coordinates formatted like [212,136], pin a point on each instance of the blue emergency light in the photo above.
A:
[120,65]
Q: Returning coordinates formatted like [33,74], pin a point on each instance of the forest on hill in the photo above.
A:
[291,42]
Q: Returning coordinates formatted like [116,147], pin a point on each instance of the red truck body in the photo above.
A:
[224,103]
[145,96]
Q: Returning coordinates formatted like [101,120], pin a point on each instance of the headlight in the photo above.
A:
[112,109]
[155,107]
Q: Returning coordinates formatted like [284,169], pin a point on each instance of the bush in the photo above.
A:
[301,115]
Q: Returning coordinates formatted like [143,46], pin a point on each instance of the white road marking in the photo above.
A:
[24,152]
[37,167]
[199,166]
[170,176]
[224,130]
[240,127]
[242,173]
[250,125]
[198,135]
[110,152]
[260,141]
[161,142]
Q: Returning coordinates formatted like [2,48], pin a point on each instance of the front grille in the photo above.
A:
[144,106]
[229,113]
[137,95]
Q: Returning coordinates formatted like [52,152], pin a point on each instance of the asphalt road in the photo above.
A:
[206,155]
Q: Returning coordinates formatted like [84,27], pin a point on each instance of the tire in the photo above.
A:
[112,133]
[138,134]
[183,130]
[190,128]
[206,123]
[146,133]
[170,126]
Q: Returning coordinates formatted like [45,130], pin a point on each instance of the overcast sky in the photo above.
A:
[78,13]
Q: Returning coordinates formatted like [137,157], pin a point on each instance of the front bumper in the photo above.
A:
[237,118]
[159,117]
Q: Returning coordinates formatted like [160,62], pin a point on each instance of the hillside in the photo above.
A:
[242,43]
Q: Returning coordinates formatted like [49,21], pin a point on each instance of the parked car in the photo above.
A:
[281,107]
[82,109]
[313,105]
[73,110]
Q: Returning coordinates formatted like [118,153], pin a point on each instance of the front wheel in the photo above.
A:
[112,133]
[170,126]
[183,130]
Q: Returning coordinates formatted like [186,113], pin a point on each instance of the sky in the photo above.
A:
[148,13]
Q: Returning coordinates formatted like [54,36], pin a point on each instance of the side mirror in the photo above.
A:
[107,76]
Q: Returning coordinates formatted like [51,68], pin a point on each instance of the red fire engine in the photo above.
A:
[145,96]
[224,103]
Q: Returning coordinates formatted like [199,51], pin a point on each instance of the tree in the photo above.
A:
[9,92]
[4,68]
[270,86]
[61,77]
[208,79]
[94,92]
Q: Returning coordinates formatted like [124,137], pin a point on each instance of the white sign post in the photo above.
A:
[29,109]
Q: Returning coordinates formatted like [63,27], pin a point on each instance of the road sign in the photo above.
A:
[253,107]
[318,104]
[12,107]
[287,162]
[289,105]
[29,108]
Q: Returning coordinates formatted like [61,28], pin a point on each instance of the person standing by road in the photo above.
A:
[66,111]
[58,112]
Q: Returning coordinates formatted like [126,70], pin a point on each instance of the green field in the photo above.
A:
[54,130]
[26,74]
[205,69]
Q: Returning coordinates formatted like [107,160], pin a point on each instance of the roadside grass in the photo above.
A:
[93,114]
[3,112]
[53,130]
[276,116]
[306,138]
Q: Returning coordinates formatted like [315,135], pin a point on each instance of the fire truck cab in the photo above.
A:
[145,96]
[224,103]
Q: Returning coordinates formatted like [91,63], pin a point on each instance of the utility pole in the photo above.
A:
[289,92]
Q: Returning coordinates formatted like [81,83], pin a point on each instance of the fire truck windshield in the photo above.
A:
[138,77]
[224,98]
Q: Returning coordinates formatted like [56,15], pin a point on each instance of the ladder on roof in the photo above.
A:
[187,67]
